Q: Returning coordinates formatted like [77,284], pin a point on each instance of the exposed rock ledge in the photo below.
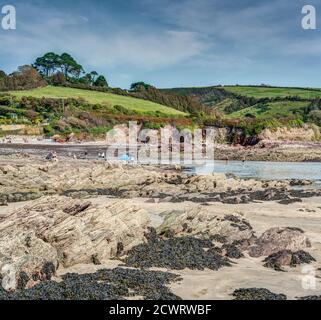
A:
[60,230]
[31,179]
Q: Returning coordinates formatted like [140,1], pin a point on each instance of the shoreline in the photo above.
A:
[272,152]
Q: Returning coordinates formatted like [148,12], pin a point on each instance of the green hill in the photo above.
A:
[270,110]
[273,92]
[257,107]
[65,110]
[96,97]
[260,102]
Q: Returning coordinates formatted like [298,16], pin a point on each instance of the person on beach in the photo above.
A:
[52,156]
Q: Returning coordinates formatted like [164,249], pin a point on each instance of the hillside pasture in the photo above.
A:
[95,97]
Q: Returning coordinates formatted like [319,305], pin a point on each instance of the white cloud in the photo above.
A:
[146,51]
[59,31]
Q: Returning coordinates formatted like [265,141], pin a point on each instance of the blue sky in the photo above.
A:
[171,43]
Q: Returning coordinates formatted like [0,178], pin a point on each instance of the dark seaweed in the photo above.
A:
[278,259]
[257,294]
[105,284]
[175,253]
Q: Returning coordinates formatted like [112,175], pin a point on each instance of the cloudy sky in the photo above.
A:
[171,42]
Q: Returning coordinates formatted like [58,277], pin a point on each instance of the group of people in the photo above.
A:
[9,139]
[52,156]
[6,140]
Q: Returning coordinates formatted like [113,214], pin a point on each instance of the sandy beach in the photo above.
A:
[246,272]
[62,213]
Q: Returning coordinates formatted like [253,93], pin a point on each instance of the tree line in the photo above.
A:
[183,103]
[25,78]
[53,69]
[59,69]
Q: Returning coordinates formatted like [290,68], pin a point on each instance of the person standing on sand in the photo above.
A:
[52,156]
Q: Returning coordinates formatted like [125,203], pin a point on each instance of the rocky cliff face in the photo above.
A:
[291,134]
[237,136]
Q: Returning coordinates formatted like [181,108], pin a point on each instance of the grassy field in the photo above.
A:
[271,110]
[271,92]
[96,97]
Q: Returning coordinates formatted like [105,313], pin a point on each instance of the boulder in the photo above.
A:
[278,239]
[23,254]
[202,222]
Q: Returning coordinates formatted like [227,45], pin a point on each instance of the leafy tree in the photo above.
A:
[60,69]
[94,76]
[58,78]
[140,86]
[69,65]
[47,64]
[50,62]
[101,82]
[86,79]
[77,70]
[89,78]
[26,77]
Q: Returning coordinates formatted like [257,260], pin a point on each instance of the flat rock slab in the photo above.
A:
[65,231]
